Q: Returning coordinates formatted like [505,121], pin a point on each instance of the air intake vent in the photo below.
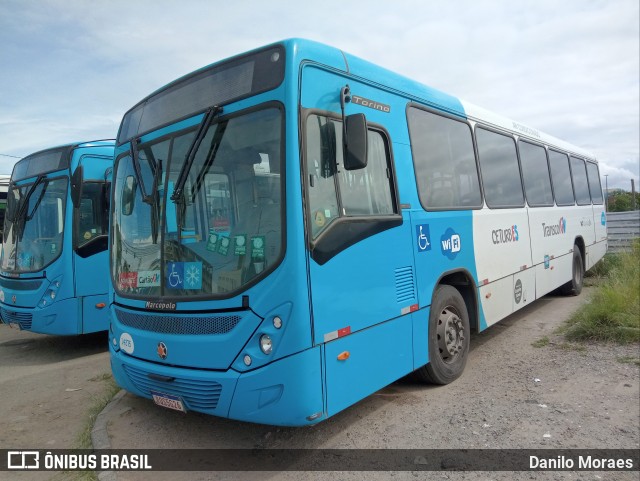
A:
[198,395]
[24,319]
[172,324]
[405,285]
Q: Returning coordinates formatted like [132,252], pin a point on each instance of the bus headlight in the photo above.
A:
[51,293]
[265,344]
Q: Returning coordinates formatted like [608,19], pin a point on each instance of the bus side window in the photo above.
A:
[594,183]
[363,192]
[444,161]
[367,191]
[535,172]
[322,155]
[500,170]
[561,178]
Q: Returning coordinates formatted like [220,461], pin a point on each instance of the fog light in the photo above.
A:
[247,360]
[277,322]
[266,344]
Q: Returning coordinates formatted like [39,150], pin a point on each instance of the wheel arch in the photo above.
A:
[462,280]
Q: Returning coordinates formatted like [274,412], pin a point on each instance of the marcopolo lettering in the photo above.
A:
[372,104]
[160,306]
[556,229]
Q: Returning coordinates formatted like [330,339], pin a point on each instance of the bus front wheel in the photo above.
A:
[449,334]
[574,286]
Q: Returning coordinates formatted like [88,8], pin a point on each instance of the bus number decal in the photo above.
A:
[126,343]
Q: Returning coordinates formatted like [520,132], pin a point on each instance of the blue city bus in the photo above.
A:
[4,188]
[295,228]
[54,261]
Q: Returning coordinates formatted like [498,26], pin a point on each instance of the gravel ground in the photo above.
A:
[512,395]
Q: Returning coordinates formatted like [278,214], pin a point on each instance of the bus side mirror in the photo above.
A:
[355,143]
[76,186]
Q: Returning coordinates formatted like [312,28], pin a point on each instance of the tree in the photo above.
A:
[621,201]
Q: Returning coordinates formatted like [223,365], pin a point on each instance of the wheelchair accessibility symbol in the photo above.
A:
[423,237]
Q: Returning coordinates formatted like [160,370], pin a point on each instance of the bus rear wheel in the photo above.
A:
[574,286]
[449,334]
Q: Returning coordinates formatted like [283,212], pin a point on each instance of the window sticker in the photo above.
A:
[25,259]
[184,275]
[149,278]
[87,235]
[257,247]
[240,245]
[221,224]
[319,219]
[212,241]
[128,280]
[223,245]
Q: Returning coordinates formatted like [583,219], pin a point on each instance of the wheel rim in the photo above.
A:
[450,334]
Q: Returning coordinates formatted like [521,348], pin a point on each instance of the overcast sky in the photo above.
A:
[69,69]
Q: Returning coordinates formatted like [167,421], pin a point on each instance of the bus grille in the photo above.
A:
[20,284]
[198,395]
[405,290]
[23,319]
[177,324]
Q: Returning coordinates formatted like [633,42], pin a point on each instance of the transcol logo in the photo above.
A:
[551,230]
[502,236]
[450,243]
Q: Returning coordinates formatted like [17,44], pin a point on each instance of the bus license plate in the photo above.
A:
[168,401]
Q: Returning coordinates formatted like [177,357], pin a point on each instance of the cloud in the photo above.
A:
[72,68]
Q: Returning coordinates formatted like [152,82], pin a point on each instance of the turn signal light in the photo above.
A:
[343,356]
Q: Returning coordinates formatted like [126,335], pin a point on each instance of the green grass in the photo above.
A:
[613,313]
[83,439]
[629,360]
[541,342]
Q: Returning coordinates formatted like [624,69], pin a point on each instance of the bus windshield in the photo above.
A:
[34,224]
[224,229]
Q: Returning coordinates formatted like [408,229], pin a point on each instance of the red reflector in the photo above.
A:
[344,331]
[100,305]
[413,308]
[485,282]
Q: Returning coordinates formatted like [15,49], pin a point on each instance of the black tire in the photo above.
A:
[574,286]
[449,334]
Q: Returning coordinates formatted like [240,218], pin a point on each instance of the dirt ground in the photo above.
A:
[512,395]
[47,384]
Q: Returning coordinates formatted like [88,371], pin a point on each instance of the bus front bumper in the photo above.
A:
[286,392]
[60,318]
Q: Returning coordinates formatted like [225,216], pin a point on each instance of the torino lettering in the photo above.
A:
[556,229]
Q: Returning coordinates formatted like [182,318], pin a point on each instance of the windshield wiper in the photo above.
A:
[20,217]
[30,215]
[134,149]
[152,197]
[209,115]
[22,206]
